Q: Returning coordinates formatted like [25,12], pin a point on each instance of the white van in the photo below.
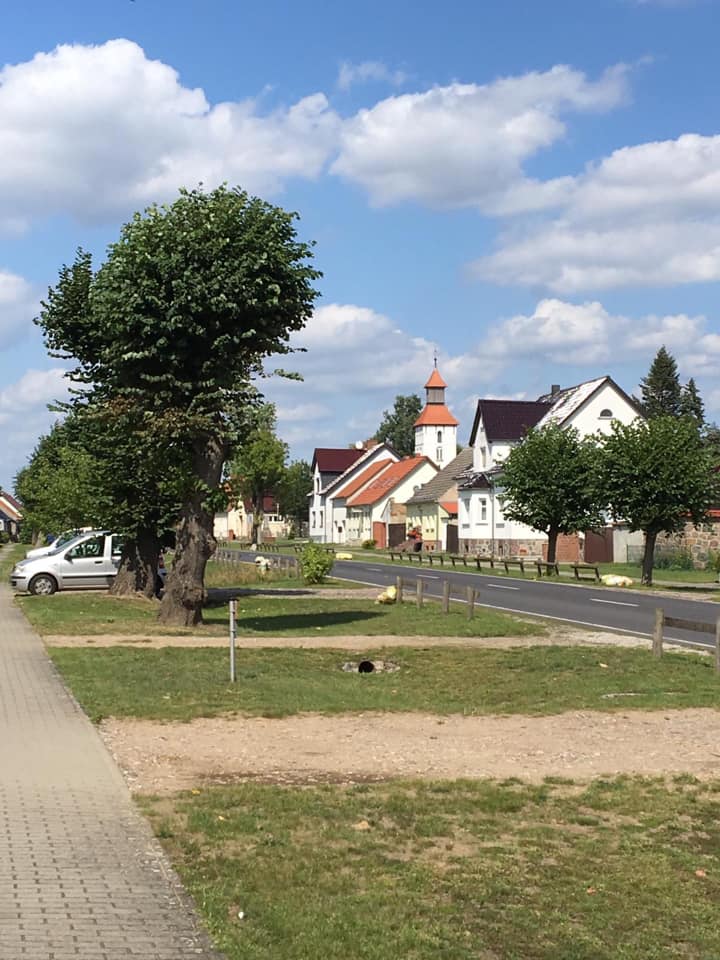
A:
[90,560]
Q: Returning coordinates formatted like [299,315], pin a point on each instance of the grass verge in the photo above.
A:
[9,556]
[88,613]
[174,683]
[622,869]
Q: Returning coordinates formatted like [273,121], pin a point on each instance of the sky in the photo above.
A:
[529,191]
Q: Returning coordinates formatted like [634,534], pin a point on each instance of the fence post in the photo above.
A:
[233,633]
[470,602]
[657,647]
[420,587]
[446,596]
[717,646]
[399,590]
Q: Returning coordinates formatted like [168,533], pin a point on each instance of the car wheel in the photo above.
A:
[43,585]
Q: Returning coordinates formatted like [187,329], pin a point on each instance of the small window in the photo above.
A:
[438,455]
[606,414]
[439,436]
[483,511]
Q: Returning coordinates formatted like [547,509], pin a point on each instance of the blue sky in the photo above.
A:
[532,190]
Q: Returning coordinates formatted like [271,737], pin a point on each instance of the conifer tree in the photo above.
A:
[660,389]
[691,404]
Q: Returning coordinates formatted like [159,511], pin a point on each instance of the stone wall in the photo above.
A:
[504,548]
[697,541]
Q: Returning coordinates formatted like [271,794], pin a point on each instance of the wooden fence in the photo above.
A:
[694,626]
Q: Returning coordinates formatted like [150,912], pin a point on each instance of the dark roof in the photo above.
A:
[331,460]
[507,419]
[436,488]
[482,480]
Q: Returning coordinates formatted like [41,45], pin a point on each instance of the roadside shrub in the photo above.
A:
[368,544]
[4,537]
[675,560]
[316,563]
[713,560]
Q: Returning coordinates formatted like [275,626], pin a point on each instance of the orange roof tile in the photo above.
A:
[435,380]
[363,477]
[386,481]
[436,415]
[449,506]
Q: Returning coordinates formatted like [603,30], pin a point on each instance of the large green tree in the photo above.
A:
[58,488]
[656,476]
[660,390]
[258,468]
[691,404]
[548,483]
[398,425]
[189,303]
[293,491]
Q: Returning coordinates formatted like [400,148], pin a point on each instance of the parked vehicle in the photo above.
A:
[90,560]
[56,543]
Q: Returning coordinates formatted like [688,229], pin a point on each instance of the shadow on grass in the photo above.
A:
[307,621]
[218,596]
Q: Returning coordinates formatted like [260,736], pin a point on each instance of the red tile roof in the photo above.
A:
[390,478]
[363,477]
[330,460]
[449,506]
[435,380]
[436,415]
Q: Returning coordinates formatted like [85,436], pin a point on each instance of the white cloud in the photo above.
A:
[645,215]
[465,144]
[92,130]
[18,305]
[366,72]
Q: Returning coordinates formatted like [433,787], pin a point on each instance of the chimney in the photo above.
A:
[555,388]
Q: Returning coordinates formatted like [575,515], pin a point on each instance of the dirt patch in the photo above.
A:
[561,637]
[161,758]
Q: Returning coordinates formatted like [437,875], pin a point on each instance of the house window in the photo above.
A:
[313,519]
[317,484]
[320,518]
[439,436]
[483,511]
[438,455]
[483,456]
[606,414]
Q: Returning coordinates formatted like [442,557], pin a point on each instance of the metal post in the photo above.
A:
[657,647]
[233,634]
[398,590]
[446,596]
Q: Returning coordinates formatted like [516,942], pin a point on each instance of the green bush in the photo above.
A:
[713,560]
[4,537]
[316,563]
[675,560]
[368,544]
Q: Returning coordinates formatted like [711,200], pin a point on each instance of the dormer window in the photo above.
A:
[606,414]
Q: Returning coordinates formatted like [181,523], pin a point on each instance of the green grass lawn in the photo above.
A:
[96,613]
[184,683]
[9,556]
[622,869]
[245,575]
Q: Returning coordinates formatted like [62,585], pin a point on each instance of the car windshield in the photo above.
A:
[62,544]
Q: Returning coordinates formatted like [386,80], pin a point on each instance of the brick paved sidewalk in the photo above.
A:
[81,877]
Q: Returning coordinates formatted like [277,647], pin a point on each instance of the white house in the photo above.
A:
[337,474]
[499,425]
[236,523]
[380,503]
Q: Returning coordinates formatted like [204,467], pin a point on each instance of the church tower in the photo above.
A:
[436,427]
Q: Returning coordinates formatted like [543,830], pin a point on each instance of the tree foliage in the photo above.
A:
[661,390]
[58,486]
[657,475]
[189,303]
[691,404]
[293,491]
[398,425]
[258,468]
[548,482]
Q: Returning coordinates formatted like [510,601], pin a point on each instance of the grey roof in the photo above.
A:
[436,488]
[479,480]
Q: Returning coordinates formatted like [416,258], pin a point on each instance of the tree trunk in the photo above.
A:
[648,557]
[138,567]
[552,545]
[184,594]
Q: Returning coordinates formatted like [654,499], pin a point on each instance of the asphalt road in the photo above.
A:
[628,611]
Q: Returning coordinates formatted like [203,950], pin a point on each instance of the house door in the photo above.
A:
[599,546]
[378,532]
[453,541]
[396,534]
